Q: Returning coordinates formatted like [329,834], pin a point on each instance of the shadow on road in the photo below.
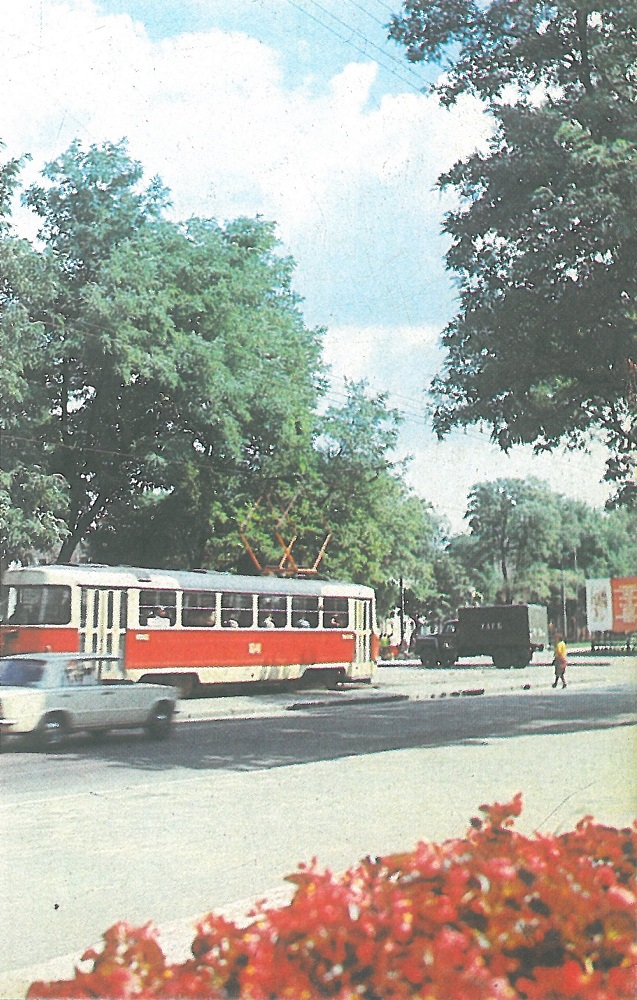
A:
[320,734]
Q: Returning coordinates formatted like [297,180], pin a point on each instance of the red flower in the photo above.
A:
[493,916]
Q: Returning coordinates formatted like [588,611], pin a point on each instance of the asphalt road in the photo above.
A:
[316,729]
[131,829]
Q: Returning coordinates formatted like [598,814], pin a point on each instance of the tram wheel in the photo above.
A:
[186,684]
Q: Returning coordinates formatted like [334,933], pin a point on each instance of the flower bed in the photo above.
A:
[492,916]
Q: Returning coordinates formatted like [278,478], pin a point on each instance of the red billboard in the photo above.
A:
[611,604]
[624,591]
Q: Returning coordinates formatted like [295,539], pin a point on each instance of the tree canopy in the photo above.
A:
[543,348]
[528,543]
[162,391]
[167,353]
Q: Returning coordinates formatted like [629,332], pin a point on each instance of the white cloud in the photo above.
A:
[209,112]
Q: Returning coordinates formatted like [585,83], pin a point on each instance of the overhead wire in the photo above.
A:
[368,41]
[385,55]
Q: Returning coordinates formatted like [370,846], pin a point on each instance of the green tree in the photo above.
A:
[550,546]
[33,504]
[513,524]
[454,583]
[384,532]
[174,376]
[352,492]
[543,243]
[239,377]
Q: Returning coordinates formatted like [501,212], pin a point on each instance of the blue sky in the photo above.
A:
[301,111]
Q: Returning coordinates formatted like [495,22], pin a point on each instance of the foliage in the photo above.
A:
[514,524]
[33,503]
[166,382]
[494,914]
[527,542]
[544,345]
[32,511]
[167,361]
[386,531]
[352,495]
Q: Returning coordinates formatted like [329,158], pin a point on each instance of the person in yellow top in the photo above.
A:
[559,662]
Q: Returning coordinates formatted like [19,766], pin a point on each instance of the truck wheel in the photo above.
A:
[501,660]
[52,731]
[521,659]
[160,721]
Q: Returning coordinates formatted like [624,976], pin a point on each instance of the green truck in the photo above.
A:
[509,633]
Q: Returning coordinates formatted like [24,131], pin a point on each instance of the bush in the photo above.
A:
[493,916]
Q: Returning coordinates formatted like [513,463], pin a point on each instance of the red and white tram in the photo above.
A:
[196,627]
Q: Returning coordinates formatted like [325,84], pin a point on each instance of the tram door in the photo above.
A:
[363,629]
[103,621]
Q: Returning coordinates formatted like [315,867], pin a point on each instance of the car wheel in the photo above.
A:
[52,731]
[160,721]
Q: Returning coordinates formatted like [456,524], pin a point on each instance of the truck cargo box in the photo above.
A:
[508,633]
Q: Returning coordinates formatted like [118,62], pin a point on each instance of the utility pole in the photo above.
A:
[563,601]
[576,596]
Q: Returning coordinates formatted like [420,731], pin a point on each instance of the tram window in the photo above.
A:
[160,605]
[8,600]
[272,611]
[335,612]
[83,607]
[39,605]
[199,609]
[305,612]
[236,610]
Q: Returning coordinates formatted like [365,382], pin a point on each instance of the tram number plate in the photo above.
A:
[254,648]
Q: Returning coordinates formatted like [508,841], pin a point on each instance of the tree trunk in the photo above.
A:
[83,522]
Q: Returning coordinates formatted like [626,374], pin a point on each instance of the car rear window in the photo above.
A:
[21,673]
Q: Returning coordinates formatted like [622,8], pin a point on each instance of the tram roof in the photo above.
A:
[119,577]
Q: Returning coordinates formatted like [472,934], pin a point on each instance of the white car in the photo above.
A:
[52,694]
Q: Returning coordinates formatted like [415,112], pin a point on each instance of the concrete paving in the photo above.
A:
[391,800]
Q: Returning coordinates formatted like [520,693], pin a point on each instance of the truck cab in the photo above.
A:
[439,648]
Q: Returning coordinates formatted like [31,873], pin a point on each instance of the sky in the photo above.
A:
[305,113]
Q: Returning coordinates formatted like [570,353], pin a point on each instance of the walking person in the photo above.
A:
[559,662]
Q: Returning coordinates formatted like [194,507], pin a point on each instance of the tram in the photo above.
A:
[191,628]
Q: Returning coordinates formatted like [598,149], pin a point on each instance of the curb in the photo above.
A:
[298,706]
[467,693]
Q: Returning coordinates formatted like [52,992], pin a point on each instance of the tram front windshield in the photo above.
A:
[35,604]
